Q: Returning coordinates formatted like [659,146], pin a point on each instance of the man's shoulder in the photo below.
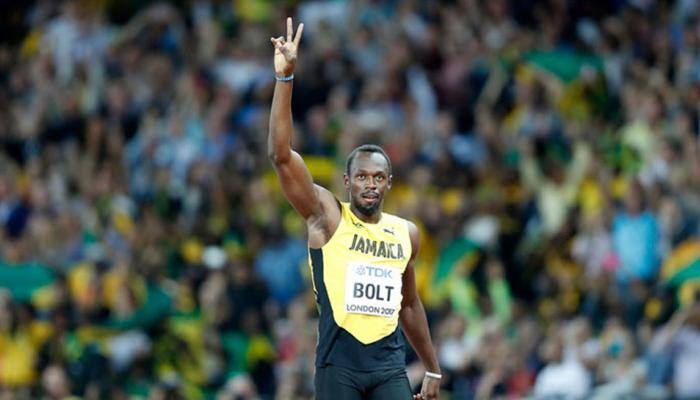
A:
[329,202]
[321,227]
[395,220]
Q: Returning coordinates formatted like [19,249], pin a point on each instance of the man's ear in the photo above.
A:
[346,181]
[391,179]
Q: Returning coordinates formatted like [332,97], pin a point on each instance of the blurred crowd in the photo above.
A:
[548,150]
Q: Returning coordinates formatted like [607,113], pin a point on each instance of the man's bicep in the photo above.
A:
[298,186]
[408,286]
[409,290]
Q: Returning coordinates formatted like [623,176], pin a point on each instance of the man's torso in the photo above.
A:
[357,278]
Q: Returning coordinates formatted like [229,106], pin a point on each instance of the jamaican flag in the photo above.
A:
[451,279]
[681,270]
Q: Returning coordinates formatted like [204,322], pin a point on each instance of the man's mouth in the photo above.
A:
[370,196]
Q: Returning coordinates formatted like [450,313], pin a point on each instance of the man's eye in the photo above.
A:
[361,177]
[380,178]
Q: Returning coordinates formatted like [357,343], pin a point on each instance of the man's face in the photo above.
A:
[369,179]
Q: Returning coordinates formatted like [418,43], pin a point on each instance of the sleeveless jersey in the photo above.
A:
[357,278]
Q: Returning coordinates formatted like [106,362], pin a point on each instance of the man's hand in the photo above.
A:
[429,390]
[286,50]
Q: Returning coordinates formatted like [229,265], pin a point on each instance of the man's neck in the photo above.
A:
[370,219]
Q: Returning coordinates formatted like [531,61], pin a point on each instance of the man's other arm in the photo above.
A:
[415,323]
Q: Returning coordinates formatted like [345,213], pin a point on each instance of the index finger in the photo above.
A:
[297,38]
[289,29]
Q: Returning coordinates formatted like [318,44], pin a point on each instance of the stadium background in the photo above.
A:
[547,149]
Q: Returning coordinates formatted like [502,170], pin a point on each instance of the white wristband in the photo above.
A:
[432,375]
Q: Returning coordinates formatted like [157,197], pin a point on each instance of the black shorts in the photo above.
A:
[338,383]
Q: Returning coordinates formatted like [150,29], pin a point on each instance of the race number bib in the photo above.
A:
[372,289]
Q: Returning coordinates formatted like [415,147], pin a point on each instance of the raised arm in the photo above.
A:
[295,178]
[415,324]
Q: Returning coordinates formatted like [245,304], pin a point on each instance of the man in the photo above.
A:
[361,259]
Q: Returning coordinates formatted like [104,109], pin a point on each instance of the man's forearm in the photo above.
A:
[279,139]
[415,326]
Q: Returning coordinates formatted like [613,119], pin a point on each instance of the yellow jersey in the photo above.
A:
[357,278]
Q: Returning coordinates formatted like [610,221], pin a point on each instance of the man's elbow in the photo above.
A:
[406,315]
[278,156]
[272,156]
[407,307]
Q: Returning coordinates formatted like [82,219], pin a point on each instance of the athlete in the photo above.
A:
[361,261]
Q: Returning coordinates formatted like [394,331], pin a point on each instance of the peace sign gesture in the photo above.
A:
[286,50]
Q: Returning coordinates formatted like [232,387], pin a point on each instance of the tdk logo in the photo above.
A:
[374,272]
